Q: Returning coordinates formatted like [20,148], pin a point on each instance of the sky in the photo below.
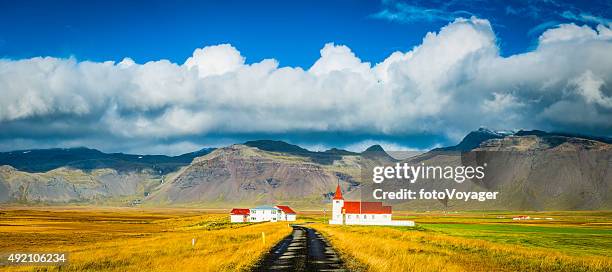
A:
[156,77]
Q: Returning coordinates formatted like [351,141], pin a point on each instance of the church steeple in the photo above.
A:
[338,194]
[337,207]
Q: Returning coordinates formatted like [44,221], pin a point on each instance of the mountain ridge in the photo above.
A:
[42,160]
[280,172]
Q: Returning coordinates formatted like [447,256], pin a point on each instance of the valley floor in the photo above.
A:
[128,239]
[135,239]
[477,241]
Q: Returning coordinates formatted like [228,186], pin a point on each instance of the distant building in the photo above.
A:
[286,213]
[263,214]
[521,217]
[362,213]
[239,215]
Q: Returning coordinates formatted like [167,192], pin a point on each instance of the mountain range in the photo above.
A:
[532,170]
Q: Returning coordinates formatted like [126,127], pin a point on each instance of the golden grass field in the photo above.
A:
[573,241]
[128,239]
[156,239]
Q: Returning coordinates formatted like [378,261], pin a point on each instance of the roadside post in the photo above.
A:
[263,238]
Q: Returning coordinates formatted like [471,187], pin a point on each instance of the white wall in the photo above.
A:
[337,217]
[238,218]
[354,219]
[282,216]
[375,220]
[264,215]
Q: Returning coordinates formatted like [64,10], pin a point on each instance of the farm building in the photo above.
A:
[239,215]
[286,213]
[263,214]
[362,213]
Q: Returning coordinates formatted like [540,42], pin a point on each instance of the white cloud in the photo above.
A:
[215,60]
[568,32]
[589,86]
[453,82]
[339,58]
[500,103]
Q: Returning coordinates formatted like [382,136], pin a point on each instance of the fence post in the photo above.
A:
[263,238]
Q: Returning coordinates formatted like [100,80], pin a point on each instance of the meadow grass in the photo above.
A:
[570,240]
[136,240]
[157,239]
[570,232]
[477,242]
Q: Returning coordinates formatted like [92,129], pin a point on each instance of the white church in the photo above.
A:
[362,213]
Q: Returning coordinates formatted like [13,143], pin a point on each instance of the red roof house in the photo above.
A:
[358,207]
[286,209]
[240,211]
[239,215]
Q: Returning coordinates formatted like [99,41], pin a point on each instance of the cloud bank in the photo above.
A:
[453,82]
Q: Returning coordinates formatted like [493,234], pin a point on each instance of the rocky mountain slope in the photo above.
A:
[248,175]
[532,170]
[235,174]
[82,175]
[68,185]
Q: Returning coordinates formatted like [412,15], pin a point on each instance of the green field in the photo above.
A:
[572,240]
[571,232]
[478,241]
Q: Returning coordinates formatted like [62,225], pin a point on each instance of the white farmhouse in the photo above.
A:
[286,213]
[362,213]
[265,213]
[239,215]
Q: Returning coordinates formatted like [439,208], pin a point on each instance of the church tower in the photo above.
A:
[337,206]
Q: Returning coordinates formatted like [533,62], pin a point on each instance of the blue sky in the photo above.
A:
[290,31]
[317,73]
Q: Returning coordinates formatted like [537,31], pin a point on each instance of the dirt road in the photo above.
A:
[303,250]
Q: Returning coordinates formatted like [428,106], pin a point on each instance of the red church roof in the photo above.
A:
[286,209]
[240,211]
[357,207]
[338,194]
